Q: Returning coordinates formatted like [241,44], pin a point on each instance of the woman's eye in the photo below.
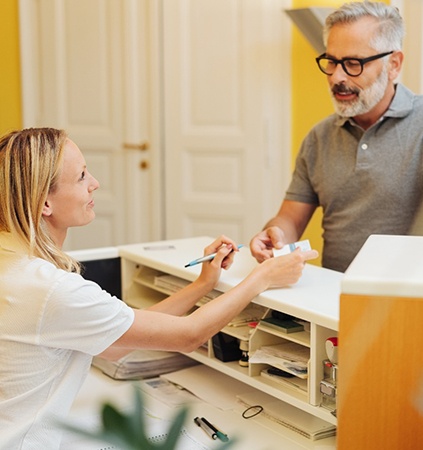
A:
[82,175]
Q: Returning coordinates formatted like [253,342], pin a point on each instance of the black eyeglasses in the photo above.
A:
[352,66]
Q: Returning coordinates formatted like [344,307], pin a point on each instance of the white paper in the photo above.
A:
[210,385]
[288,248]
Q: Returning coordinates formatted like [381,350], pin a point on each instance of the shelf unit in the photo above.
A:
[314,300]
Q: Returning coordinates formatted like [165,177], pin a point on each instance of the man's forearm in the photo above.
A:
[288,228]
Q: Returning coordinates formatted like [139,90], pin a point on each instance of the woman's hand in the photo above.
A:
[225,249]
[284,270]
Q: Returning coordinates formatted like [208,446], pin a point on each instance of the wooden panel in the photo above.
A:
[380,390]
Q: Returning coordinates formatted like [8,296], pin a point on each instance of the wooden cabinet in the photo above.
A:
[152,271]
[380,351]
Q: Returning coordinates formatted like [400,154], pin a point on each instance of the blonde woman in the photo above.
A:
[52,321]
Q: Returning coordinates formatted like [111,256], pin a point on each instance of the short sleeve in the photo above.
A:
[300,189]
[81,316]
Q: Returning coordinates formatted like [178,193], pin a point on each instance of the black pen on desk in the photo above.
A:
[205,258]
[205,427]
[220,434]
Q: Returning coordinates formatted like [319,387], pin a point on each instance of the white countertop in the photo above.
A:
[315,297]
[387,266]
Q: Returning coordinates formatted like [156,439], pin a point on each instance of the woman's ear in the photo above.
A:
[47,209]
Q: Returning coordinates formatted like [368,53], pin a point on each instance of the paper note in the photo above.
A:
[288,248]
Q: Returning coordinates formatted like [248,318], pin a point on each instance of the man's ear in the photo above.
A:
[47,209]
[396,61]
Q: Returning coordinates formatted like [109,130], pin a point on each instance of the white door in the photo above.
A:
[85,69]
[203,83]
[227,115]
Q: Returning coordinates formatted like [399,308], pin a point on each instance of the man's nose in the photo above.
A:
[338,75]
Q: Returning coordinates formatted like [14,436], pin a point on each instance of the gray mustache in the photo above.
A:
[342,89]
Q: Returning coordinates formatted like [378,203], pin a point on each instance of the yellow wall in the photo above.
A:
[10,92]
[310,101]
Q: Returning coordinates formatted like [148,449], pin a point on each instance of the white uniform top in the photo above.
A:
[51,324]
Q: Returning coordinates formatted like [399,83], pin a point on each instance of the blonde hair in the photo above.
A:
[30,162]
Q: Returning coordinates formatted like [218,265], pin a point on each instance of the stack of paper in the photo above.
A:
[299,384]
[143,364]
[175,284]
[170,282]
[287,415]
[288,356]
[252,313]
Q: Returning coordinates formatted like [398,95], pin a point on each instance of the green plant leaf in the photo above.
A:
[174,432]
[113,420]
[129,428]
[137,417]
[128,431]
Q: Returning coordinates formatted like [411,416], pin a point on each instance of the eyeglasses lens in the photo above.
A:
[352,67]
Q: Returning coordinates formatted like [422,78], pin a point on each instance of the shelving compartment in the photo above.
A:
[283,374]
[319,335]
[144,286]
[138,289]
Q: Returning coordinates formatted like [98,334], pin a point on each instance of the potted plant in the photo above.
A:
[128,431]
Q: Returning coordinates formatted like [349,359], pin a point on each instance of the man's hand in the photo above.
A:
[263,243]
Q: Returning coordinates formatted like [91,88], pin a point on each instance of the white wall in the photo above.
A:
[412,12]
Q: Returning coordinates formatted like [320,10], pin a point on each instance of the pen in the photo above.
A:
[205,258]
[220,434]
[205,427]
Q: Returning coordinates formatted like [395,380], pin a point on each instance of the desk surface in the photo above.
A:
[255,434]
[315,297]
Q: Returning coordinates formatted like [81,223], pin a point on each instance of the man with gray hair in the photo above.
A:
[362,164]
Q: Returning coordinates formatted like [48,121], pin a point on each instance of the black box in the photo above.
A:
[225,347]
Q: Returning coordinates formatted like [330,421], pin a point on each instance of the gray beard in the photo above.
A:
[367,99]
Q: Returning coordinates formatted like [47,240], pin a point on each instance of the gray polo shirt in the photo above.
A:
[367,182]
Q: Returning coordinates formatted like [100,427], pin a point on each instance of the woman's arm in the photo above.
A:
[182,301]
[160,331]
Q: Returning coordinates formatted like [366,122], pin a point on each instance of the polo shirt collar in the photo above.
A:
[401,105]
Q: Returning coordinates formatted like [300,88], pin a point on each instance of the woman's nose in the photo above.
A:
[94,185]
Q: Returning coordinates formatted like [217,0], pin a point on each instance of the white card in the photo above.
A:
[288,248]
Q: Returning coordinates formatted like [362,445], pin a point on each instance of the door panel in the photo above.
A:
[80,78]
[224,100]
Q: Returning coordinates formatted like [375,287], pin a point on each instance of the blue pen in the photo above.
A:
[205,258]
[220,434]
